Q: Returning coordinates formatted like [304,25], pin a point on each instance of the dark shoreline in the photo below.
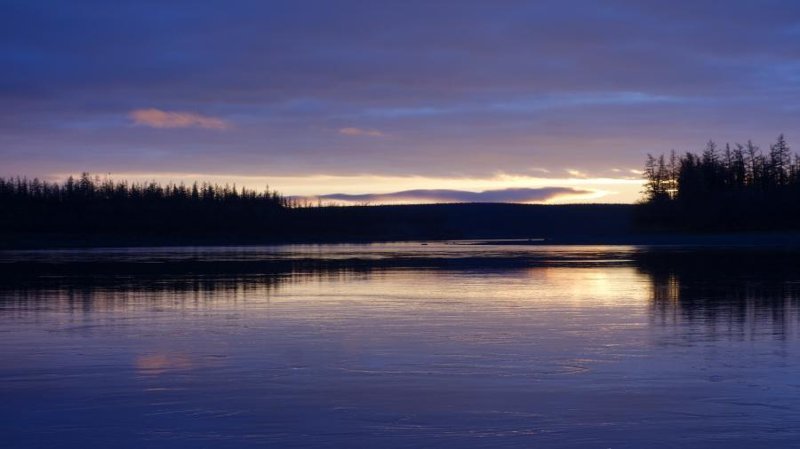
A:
[502,224]
[67,242]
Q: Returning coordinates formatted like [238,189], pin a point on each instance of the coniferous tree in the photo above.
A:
[736,188]
[91,204]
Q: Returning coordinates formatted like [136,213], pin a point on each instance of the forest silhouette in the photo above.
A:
[732,188]
[95,211]
[735,188]
[92,204]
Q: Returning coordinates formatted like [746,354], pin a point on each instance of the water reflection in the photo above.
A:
[164,362]
[725,293]
[623,348]
[723,290]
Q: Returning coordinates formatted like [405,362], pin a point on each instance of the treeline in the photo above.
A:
[89,211]
[735,188]
[93,204]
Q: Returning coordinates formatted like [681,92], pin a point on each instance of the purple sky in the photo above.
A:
[369,97]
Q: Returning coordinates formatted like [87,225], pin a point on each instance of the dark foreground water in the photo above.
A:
[389,346]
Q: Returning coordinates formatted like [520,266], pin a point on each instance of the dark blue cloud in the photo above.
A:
[454,88]
[459,196]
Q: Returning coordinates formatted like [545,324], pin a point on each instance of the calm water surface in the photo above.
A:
[437,346]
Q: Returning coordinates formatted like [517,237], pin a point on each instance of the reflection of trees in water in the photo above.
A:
[125,292]
[722,292]
[737,294]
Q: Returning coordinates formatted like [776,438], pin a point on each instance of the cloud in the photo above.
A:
[576,173]
[360,132]
[516,195]
[156,118]
[609,83]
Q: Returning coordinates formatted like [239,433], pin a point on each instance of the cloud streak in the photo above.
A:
[419,89]
[516,195]
[360,132]
[157,118]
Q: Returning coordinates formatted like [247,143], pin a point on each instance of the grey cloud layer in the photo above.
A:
[454,88]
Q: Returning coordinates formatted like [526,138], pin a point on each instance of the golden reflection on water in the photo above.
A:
[573,286]
[328,295]
[671,296]
[596,286]
[496,291]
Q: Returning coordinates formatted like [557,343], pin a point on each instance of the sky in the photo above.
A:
[391,101]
